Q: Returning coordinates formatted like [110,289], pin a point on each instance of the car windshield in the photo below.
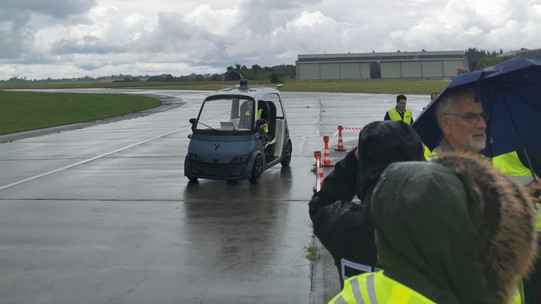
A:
[226,114]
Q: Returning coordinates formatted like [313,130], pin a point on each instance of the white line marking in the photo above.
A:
[17,150]
[85,161]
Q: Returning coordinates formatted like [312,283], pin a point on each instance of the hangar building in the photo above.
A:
[440,64]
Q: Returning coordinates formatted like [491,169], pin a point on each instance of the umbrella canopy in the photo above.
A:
[510,93]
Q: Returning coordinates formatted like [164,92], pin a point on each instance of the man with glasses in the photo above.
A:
[462,122]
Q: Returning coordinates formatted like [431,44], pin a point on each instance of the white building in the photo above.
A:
[441,64]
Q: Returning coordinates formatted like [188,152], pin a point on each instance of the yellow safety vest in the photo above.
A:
[518,298]
[510,164]
[258,117]
[375,288]
[428,154]
[394,115]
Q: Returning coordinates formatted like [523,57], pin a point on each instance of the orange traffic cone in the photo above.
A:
[319,172]
[340,146]
[326,154]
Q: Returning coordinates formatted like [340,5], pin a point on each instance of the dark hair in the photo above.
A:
[399,97]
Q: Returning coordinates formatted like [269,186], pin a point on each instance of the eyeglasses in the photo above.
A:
[471,118]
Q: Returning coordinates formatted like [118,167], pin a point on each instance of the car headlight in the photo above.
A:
[240,159]
[193,156]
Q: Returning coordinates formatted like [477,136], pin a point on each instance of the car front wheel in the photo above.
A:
[286,160]
[257,170]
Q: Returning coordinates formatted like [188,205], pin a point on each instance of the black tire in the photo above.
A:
[257,170]
[286,159]
[192,179]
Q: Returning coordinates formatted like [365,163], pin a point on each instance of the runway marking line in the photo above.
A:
[22,149]
[85,161]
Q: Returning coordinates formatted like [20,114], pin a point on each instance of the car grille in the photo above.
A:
[216,170]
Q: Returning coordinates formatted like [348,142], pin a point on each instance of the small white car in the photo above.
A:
[239,133]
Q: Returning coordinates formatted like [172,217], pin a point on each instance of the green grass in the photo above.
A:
[381,86]
[384,86]
[313,253]
[23,111]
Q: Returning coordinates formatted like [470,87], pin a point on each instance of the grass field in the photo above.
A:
[23,111]
[384,86]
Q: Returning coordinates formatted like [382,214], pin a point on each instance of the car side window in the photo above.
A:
[275,99]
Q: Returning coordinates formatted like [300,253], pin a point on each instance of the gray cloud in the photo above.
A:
[76,37]
[58,9]
[17,35]
[88,45]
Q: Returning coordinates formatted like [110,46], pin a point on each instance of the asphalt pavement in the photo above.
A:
[101,213]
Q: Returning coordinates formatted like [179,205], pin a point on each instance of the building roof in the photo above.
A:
[439,55]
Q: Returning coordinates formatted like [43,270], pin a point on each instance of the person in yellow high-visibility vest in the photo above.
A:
[463,124]
[511,165]
[453,230]
[400,112]
[248,113]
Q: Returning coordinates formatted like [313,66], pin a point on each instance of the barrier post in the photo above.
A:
[319,171]
[340,146]
[327,154]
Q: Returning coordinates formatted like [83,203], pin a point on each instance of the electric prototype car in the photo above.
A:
[239,133]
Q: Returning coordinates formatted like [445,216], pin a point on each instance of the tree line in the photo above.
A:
[273,74]
[474,56]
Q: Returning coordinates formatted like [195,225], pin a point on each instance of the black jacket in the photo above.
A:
[344,227]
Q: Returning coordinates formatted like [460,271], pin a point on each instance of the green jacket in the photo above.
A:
[454,229]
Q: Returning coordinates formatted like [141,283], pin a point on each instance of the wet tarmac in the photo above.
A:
[103,213]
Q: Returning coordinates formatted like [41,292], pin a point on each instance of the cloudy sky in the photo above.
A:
[77,38]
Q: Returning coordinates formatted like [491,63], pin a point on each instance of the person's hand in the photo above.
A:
[534,188]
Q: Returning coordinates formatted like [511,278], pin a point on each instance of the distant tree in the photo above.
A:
[215,77]
[286,71]
[169,77]
[129,78]
[256,68]
[199,77]
[474,55]
[275,77]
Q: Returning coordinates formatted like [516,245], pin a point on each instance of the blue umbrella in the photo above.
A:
[510,93]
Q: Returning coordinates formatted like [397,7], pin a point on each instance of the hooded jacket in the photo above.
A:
[454,230]
[344,227]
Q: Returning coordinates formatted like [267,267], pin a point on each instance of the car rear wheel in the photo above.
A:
[286,160]
[257,170]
